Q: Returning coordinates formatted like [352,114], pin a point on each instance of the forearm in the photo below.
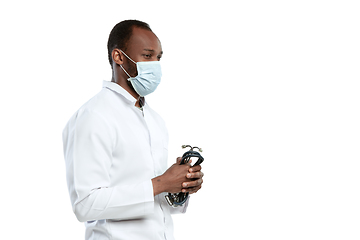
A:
[119,202]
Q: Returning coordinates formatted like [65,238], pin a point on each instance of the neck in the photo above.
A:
[120,78]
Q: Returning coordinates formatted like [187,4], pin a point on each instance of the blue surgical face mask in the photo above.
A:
[148,78]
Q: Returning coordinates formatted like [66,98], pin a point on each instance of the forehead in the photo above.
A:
[143,39]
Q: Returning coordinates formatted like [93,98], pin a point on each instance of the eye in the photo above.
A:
[148,56]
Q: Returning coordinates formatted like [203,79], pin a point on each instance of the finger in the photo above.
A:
[189,163]
[194,190]
[191,184]
[178,160]
[195,175]
[195,168]
[191,190]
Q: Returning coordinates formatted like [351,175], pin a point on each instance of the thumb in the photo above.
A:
[178,160]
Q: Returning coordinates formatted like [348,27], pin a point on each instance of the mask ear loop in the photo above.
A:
[129,59]
[125,71]
[127,56]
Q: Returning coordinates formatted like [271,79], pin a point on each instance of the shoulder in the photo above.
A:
[94,112]
[100,102]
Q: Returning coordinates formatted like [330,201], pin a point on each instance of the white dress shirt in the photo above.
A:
[112,151]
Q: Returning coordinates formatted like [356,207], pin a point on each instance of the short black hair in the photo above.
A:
[121,33]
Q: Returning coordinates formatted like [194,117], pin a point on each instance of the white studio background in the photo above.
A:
[269,90]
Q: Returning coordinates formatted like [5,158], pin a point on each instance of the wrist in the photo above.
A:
[158,185]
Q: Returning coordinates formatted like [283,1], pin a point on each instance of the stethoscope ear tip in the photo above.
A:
[191,148]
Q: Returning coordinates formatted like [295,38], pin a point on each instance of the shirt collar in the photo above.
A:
[117,88]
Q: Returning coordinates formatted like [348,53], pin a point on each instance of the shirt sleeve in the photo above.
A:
[88,143]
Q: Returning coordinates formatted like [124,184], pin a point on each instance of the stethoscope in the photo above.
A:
[178,199]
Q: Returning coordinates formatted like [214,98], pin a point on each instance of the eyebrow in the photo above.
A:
[151,50]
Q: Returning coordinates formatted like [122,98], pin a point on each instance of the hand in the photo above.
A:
[171,181]
[196,177]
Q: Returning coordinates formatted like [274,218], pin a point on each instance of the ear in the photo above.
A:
[117,56]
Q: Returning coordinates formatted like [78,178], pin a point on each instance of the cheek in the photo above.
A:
[132,70]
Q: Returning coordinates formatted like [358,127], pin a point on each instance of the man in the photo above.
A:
[115,148]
